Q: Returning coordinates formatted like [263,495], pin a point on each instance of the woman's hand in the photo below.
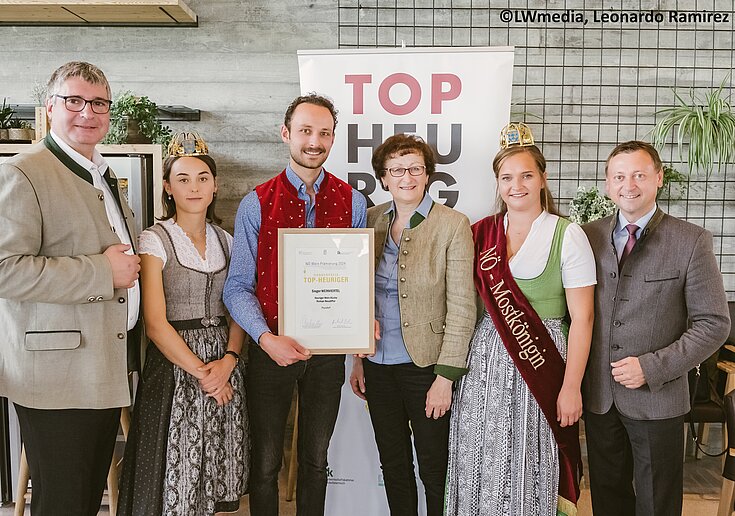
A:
[217,374]
[568,406]
[377,337]
[224,396]
[439,397]
[357,377]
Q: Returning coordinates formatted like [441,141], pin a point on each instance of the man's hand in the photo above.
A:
[125,267]
[439,397]
[283,350]
[628,372]
[357,377]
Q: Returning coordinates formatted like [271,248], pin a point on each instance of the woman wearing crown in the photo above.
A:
[514,447]
[187,452]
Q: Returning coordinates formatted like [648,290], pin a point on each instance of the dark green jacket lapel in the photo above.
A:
[67,160]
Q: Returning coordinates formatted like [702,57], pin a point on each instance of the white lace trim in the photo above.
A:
[150,243]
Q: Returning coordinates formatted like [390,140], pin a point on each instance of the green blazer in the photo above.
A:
[64,326]
[435,286]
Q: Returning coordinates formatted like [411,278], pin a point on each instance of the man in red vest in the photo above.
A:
[302,195]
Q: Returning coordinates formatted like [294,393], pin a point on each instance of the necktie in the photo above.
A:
[631,228]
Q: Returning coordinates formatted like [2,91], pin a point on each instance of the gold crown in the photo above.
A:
[187,144]
[516,133]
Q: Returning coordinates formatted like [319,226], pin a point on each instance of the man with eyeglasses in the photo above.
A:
[303,195]
[68,296]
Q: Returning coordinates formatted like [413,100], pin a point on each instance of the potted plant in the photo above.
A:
[20,130]
[589,205]
[6,114]
[706,122]
[135,120]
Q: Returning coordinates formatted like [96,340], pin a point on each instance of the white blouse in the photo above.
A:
[577,260]
[150,243]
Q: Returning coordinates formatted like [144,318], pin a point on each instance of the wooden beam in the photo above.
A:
[96,12]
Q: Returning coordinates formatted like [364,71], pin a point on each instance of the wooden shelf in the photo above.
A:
[97,12]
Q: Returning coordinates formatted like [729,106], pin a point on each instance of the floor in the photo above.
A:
[702,482]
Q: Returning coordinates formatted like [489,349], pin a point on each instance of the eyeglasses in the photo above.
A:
[76,104]
[414,170]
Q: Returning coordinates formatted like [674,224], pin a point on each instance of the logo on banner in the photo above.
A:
[444,87]
[332,480]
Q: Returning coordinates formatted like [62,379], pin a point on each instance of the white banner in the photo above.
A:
[458,100]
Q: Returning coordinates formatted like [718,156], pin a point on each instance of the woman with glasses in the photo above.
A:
[425,313]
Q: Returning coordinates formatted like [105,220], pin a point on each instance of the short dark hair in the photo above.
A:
[547,200]
[634,146]
[400,145]
[169,204]
[310,98]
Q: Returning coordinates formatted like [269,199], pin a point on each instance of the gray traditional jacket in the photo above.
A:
[666,306]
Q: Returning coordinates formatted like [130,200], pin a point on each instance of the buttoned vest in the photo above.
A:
[280,207]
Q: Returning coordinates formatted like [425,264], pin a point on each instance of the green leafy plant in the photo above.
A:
[144,111]
[589,205]
[16,123]
[6,115]
[674,184]
[708,124]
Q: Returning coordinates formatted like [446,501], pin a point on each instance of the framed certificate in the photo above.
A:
[326,297]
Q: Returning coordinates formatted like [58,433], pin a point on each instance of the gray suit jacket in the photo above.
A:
[666,306]
[64,327]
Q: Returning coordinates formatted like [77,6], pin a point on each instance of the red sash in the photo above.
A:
[527,341]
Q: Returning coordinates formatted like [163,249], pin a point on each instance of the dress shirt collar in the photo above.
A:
[299,184]
[421,212]
[641,222]
[98,163]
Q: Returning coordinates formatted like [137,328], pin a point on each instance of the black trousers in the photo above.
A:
[396,396]
[636,467]
[69,453]
[270,390]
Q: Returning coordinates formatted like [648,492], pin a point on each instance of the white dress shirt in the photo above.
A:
[97,167]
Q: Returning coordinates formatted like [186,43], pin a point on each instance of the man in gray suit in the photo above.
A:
[660,309]
[68,296]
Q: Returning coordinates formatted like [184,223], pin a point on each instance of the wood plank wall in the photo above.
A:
[238,67]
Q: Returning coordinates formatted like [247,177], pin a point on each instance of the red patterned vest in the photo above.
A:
[280,207]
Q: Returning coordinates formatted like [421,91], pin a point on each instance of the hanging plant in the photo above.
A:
[706,123]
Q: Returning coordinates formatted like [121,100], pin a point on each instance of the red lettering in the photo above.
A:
[413,100]
[358,82]
[438,95]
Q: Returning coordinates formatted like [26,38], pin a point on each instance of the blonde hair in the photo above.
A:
[547,201]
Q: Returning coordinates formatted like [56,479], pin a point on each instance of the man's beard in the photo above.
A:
[303,163]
